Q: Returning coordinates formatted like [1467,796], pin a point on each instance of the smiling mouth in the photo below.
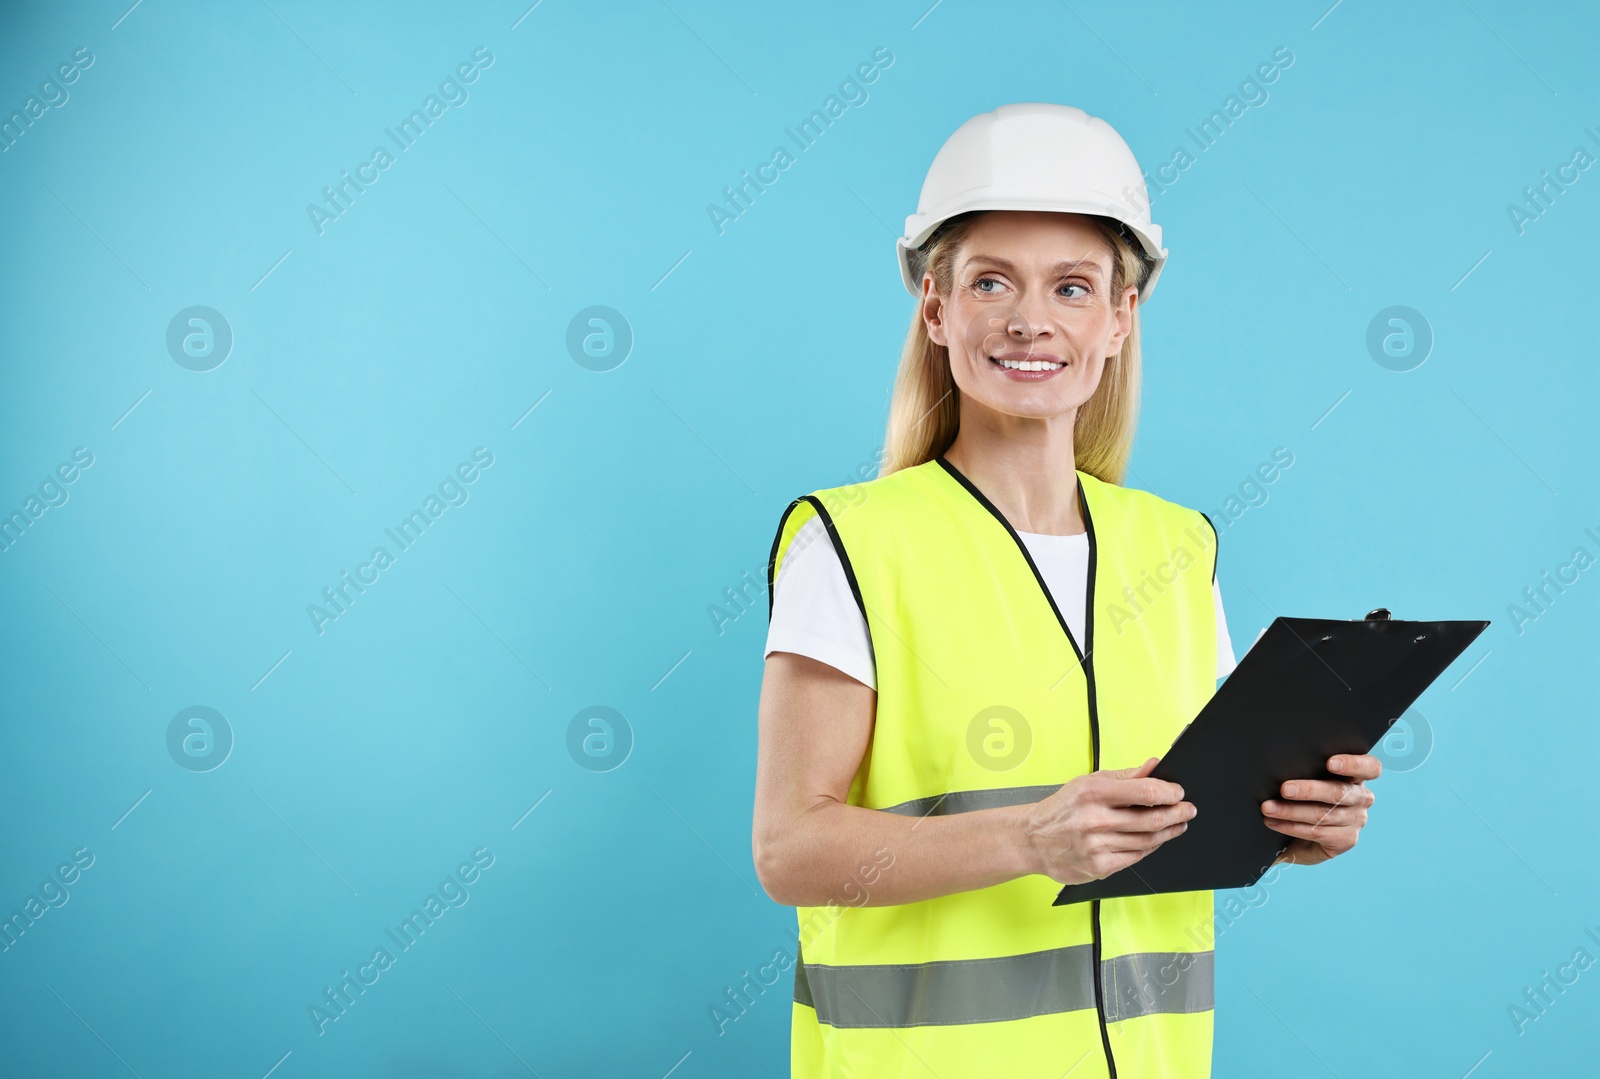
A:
[1031,364]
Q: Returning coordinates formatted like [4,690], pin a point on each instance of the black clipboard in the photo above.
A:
[1307,689]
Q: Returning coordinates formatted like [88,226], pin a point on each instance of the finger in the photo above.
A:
[1152,819]
[1117,863]
[1133,773]
[1142,792]
[1330,791]
[1321,834]
[1146,841]
[1356,765]
[1315,813]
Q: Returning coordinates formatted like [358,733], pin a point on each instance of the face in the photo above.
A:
[1030,318]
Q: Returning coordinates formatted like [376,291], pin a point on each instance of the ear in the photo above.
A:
[1123,318]
[933,312]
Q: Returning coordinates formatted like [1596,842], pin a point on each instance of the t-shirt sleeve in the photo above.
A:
[1225,658]
[814,612]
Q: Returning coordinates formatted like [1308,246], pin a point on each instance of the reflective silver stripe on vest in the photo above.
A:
[1145,983]
[939,805]
[954,991]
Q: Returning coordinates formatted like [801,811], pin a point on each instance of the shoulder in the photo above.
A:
[1138,501]
[1170,525]
[899,491]
[868,512]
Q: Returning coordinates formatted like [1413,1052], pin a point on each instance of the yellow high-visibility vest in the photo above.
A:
[984,699]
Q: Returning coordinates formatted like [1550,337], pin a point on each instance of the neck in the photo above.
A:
[1025,466]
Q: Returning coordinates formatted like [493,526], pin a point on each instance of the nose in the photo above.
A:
[1032,316]
[1011,326]
[1025,324]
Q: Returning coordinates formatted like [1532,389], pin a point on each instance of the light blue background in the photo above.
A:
[426,321]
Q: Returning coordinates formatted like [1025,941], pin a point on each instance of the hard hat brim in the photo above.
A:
[919,227]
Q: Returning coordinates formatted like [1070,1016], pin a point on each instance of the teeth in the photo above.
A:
[1029,365]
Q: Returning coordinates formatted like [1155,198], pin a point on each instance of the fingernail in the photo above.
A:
[1291,790]
[1336,763]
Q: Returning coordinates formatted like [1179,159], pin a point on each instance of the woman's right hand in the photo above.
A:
[1102,822]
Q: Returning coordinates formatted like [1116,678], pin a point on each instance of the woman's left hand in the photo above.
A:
[1325,817]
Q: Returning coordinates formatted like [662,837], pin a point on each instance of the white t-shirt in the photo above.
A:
[815,614]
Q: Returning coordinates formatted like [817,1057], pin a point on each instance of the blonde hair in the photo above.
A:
[925,410]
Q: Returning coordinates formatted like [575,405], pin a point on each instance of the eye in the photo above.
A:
[978,284]
[1084,289]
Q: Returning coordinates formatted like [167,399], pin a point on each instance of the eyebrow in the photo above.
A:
[1080,266]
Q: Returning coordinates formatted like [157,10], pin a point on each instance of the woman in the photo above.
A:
[973,657]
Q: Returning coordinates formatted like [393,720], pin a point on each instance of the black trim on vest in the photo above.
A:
[833,537]
[772,556]
[983,499]
[802,988]
[1216,543]
[1086,661]
[1094,728]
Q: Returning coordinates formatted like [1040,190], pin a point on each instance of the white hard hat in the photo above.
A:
[1034,157]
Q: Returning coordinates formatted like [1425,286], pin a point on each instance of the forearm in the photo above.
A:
[851,855]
